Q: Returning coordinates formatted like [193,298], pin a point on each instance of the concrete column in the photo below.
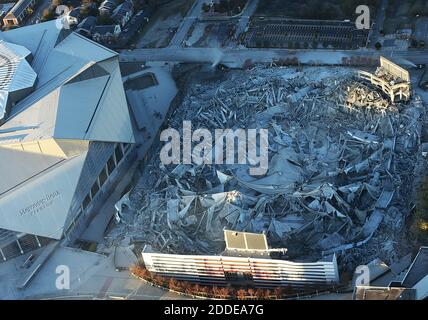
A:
[38,242]
[114,158]
[19,245]
[2,254]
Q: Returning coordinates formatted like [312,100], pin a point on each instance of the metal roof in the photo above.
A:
[16,74]
[78,98]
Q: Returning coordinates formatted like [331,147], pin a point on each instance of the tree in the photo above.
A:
[104,19]
[160,281]
[279,292]
[205,7]
[205,291]
[173,284]
[84,11]
[267,294]
[189,288]
[48,15]
[251,292]
[196,289]
[241,294]
[224,292]
[260,294]
[216,291]
[378,45]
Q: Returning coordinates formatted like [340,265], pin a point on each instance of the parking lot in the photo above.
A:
[304,34]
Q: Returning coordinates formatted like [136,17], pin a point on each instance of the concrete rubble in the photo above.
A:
[340,178]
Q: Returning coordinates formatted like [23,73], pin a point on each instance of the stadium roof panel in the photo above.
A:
[78,98]
[17,78]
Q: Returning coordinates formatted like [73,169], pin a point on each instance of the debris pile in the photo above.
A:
[362,99]
[339,179]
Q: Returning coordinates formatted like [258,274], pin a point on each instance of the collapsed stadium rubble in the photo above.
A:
[341,168]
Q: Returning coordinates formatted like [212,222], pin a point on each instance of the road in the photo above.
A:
[236,57]
[421,29]
[378,25]
[187,23]
[246,15]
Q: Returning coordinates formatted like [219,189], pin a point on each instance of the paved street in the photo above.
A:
[93,276]
[237,56]
[187,23]
[421,29]
[378,24]
[246,15]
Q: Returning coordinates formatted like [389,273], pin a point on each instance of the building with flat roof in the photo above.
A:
[247,260]
[66,135]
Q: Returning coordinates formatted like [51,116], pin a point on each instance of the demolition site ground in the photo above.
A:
[341,175]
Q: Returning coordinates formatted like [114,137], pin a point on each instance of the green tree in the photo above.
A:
[104,19]
[48,15]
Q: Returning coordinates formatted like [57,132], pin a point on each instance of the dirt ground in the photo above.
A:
[163,24]
[210,34]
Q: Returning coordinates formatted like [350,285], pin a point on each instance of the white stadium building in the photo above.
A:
[247,260]
[66,134]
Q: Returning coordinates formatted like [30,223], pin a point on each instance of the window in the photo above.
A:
[69,228]
[86,202]
[125,147]
[103,177]
[77,215]
[110,165]
[95,189]
[118,152]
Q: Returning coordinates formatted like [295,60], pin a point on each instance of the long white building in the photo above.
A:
[247,260]
[65,133]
